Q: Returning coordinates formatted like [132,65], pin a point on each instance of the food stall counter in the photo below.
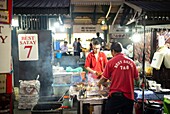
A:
[88,96]
[98,100]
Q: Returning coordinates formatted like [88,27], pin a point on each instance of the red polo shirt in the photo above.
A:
[121,71]
[96,64]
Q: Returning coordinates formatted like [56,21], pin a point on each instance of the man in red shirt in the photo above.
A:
[95,62]
[121,71]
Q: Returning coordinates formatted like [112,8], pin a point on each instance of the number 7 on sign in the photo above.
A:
[30,48]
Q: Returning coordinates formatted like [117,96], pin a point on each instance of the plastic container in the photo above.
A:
[47,109]
[76,79]
[58,55]
[60,89]
[56,45]
[62,78]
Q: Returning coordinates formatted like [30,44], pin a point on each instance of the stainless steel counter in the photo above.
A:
[92,101]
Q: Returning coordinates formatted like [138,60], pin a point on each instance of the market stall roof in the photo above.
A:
[41,6]
[87,12]
[157,12]
[153,6]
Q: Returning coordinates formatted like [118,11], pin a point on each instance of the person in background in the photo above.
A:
[79,47]
[121,71]
[64,49]
[95,62]
[75,47]
[102,42]
[91,45]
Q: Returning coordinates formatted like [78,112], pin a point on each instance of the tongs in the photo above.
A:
[62,95]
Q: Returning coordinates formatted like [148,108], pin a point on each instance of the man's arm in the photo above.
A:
[102,81]
[90,70]
[137,82]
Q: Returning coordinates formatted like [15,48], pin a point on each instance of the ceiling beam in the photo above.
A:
[110,7]
[135,7]
[105,9]
[115,17]
[155,22]
[94,16]
[126,11]
[110,20]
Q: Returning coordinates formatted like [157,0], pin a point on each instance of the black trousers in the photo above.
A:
[117,103]
[76,54]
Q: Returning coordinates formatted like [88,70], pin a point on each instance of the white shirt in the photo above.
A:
[64,49]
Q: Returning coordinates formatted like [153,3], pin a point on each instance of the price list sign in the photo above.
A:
[5,11]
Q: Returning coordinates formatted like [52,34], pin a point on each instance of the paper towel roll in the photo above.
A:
[167,58]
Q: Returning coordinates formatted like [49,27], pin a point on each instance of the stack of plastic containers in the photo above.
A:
[63,80]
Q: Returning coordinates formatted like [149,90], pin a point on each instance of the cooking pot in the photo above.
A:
[153,108]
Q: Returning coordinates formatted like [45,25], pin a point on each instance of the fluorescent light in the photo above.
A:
[15,23]
[60,20]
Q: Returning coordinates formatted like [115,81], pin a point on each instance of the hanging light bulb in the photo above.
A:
[104,27]
[103,22]
[136,37]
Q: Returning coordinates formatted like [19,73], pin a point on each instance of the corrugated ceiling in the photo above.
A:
[41,6]
[154,6]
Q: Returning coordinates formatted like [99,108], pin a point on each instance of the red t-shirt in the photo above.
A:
[96,64]
[121,71]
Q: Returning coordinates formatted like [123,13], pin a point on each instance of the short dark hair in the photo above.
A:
[96,42]
[79,39]
[98,34]
[116,46]
[65,42]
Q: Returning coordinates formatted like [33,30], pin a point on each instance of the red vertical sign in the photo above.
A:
[10,10]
